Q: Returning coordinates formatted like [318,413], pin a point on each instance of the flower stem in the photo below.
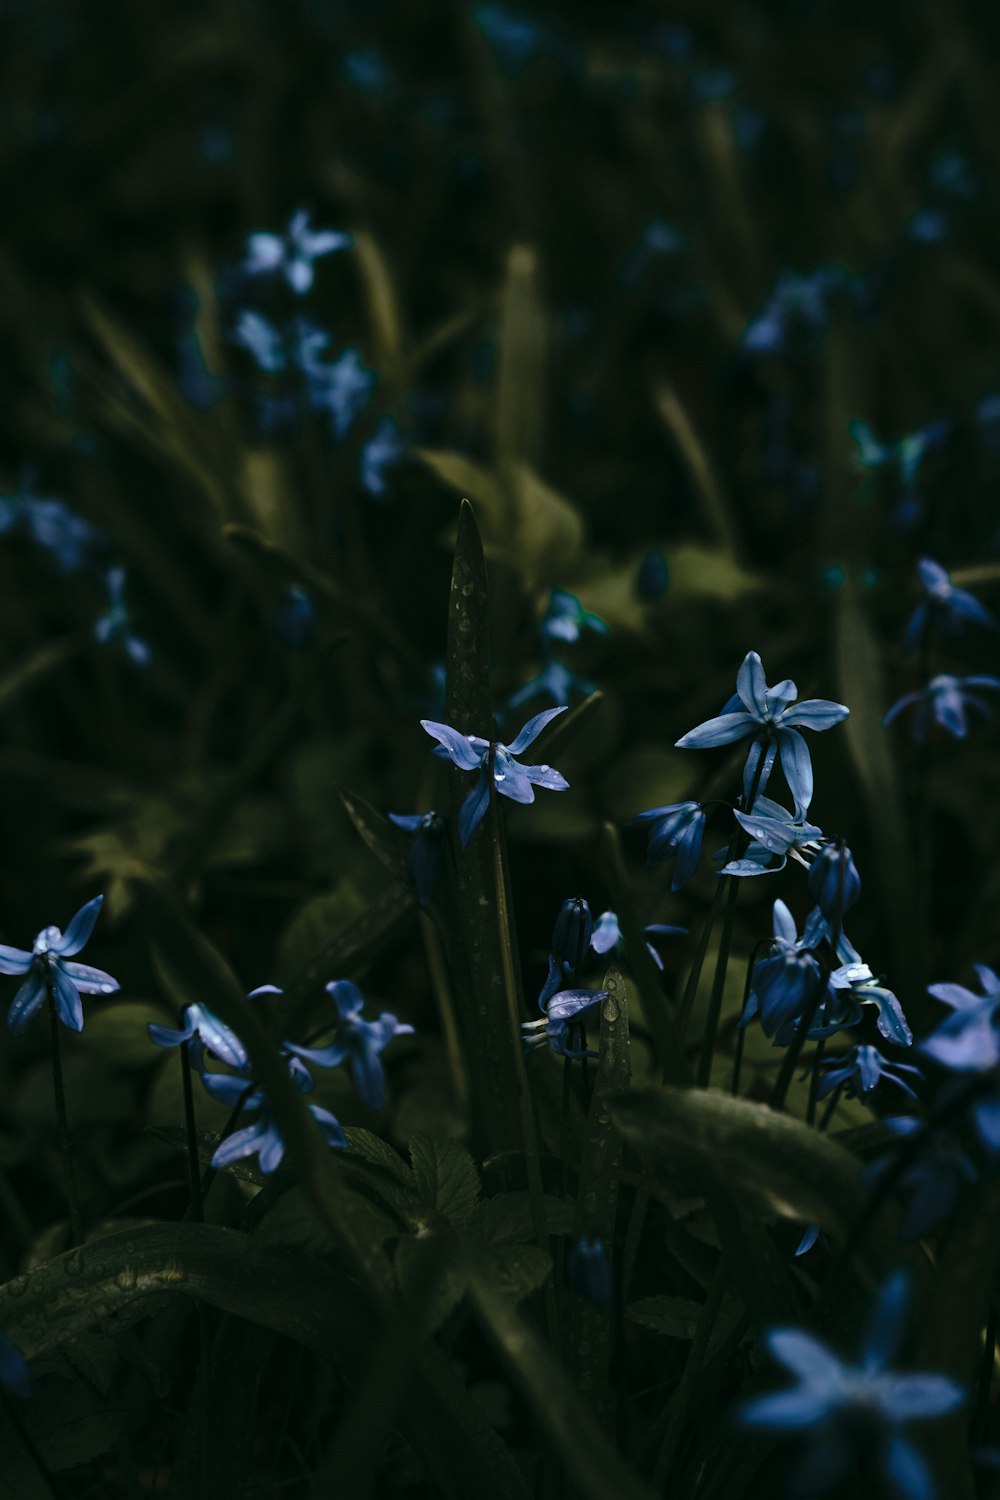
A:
[834,1101]
[62,1124]
[194,1164]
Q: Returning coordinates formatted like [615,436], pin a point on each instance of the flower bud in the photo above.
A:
[572,932]
[834,892]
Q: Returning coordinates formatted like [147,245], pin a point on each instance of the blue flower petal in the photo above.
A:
[533,729]
[456,746]
[79,929]
[69,1005]
[27,1001]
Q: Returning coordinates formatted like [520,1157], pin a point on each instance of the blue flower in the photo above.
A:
[969,1040]
[51,525]
[775,833]
[770,714]
[201,1023]
[675,833]
[295,617]
[357,1042]
[343,389]
[263,1138]
[425,861]
[933,1178]
[944,702]
[555,681]
[564,1012]
[572,933]
[834,882]
[471,753]
[856,982]
[383,451]
[785,981]
[516,38]
[608,935]
[845,1407]
[566,619]
[14,1375]
[294,253]
[944,605]
[265,342]
[861,1072]
[588,1271]
[116,622]
[796,312]
[48,968]
[905,456]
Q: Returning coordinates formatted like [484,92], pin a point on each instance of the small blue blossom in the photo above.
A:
[608,935]
[771,716]
[588,1271]
[795,314]
[357,1042]
[856,982]
[675,832]
[425,860]
[783,982]
[511,779]
[775,833]
[861,1072]
[262,339]
[211,1032]
[383,450]
[14,1375]
[905,456]
[49,969]
[555,681]
[343,389]
[51,525]
[969,1040]
[566,619]
[294,253]
[564,1012]
[843,1408]
[944,702]
[943,605]
[263,1138]
[116,622]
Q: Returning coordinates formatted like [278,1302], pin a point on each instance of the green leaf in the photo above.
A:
[506,1218]
[388,843]
[677,1317]
[69,1423]
[787,1166]
[516,1270]
[446,1176]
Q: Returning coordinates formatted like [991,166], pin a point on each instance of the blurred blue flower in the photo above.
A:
[343,389]
[969,1040]
[383,450]
[905,456]
[555,681]
[294,253]
[653,577]
[425,860]
[14,1375]
[49,969]
[511,779]
[944,605]
[357,1042]
[51,525]
[516,38]
[943,702]
[796,312]
[928,226]
[675,832]
[769,714]
[588,1271]
[844,1408]
[366,69]
[265,342]
[295,617]
[116,622]
[861,1072]
[565,619]
[936,1169]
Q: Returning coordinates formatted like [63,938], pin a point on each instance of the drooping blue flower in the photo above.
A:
[511,779]
[383,450]
[861,1072]
[294,253]
[969,1040]
[608,935]
[566,619]
[944,702]
[588,1271]
[675,832]
[784,982]
[263,1138]
[773,717]
[564,1012]
[48,967]
[116,622]
[14,1376]
[425,861]
[211,1032]
[834,882]
[775,834]
[357,1042]
[944,606]
[856,982]
[571,935]
[843,1409]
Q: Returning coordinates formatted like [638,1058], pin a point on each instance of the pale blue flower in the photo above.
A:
[357,1042]
[944,702]
[862,1071]
[294,253]
[382,452]
[775,833]
[49,968]
[511,779]
[943,605]
[116,622]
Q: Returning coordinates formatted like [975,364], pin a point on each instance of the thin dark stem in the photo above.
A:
[194,1164]
[814,1081]
[834,1101]
[62,1122]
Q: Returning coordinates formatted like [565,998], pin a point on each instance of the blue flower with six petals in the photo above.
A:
[49,969]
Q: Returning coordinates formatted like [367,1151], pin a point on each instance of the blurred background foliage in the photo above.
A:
[626,277]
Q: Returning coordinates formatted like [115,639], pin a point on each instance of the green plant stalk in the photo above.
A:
[62,1121]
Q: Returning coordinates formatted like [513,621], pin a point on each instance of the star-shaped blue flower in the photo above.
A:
[294,253]
[944,702]
[773,717]
[841,1409]
[969,1040]
[943,605]
[861,1072]
[775,833]
[357,1042]
[471,753]
[48,966]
